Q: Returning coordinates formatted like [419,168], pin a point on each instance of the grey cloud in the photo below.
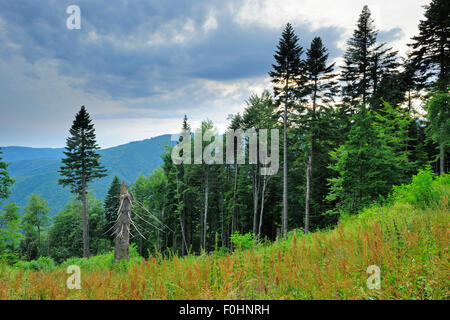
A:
[110,51]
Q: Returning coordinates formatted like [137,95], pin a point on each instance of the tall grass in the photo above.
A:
[407,238]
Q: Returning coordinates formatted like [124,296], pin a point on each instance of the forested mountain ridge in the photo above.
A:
[35,169]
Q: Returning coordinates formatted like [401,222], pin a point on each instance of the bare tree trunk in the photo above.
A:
[163,216]
[308,186]
[285,191]
[39,240]
[256,182]
[181,217]
[222,220]
[205,217]
[265,181]
[310,159]
[442,154]
[122,249]
[86,252]
[234,216]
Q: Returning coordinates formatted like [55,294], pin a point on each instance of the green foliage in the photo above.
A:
[365,62]
[105,261]
[288,67]
[44,264]
[81,164]
[10,229]
[36,214]
[368,164]
[406,242]
[243,242]
[5,181]
[66,232]
[111,206]
[438,114]
[431,48]
[321,86]
[425,191]
[9,258]
[149,192]
[35,222]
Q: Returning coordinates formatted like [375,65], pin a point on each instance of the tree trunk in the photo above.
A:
[234,214]
[256,182]
[122,249]
[442,154]
[206,205]
[265,181]
[164,240]
[181,217]
[39,240]
[86,252]
[285,191]
[310,160]
[308,186]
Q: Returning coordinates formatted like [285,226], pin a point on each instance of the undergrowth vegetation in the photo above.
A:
[407,238]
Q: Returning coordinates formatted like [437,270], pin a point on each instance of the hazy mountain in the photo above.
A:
[35,169]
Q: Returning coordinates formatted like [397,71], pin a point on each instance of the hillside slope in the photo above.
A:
[407,239]
[35,169]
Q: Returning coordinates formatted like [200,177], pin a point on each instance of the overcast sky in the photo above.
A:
[139,66]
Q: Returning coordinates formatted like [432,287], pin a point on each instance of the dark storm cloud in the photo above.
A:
[130,49]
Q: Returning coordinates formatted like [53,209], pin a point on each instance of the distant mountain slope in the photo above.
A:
[11,154]
[35,169]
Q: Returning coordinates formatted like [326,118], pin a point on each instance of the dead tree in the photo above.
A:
[123,224]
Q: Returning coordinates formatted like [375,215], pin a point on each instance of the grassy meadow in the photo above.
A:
[407,238]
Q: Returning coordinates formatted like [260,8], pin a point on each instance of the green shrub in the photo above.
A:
[9,258]
[243,242]
[104,261]
[44,264]
[425,190]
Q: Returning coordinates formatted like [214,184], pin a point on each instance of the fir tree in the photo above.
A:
[365,62]
[321,89]
[431,48]
[287,76]
[81,164]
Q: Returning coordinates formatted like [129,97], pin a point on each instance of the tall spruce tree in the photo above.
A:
[287,76]
[321,88]
[81,165]
[365,62]
[5,180]
[111,205]
[431,48]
